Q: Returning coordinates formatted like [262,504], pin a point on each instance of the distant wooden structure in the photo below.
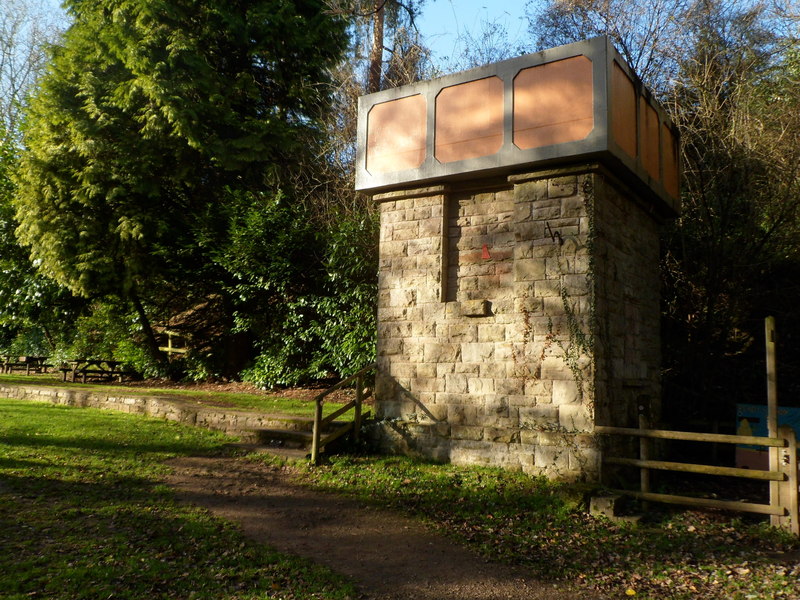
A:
[176,343]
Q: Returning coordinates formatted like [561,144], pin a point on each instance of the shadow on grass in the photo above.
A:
[77,540]
[50,486]
[126,537]
[84,515]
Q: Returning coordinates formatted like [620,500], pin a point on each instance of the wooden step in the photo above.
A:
[298,424]
[285,453]
[289,438]
[293,435]
[285,438]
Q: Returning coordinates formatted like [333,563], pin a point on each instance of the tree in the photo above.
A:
[152,117]
[35,313]
[329,325]
[386,51]
[648,34]
[26,29]
[491,43]
[374,22]
[741,201]
[723,70]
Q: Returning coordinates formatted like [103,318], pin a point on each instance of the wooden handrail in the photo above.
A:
[331,417]
[690,436]
[344,382]
[319,421]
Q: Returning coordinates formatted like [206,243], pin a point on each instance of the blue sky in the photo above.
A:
[442,21]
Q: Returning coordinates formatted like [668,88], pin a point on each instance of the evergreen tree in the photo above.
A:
[156,117]
[35,313]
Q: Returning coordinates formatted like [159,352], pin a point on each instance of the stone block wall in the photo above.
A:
[488,348]
[627,292]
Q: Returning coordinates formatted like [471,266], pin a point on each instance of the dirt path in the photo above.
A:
[389,556]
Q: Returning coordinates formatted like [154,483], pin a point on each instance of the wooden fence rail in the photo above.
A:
[783,478]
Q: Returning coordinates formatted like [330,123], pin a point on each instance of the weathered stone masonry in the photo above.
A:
[514,318]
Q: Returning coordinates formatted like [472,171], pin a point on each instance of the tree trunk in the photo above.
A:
[376,54]
[151,344]
[48,336]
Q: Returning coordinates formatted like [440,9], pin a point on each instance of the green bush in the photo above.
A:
[332,330]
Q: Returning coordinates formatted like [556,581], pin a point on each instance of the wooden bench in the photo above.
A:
[95,370]
[29,364]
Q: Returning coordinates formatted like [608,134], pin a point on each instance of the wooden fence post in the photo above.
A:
[644,451]
[788,492]
[644,454]
[359,400]
[772,413]
[317,431]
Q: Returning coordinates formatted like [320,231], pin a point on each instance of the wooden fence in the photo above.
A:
[783,502]
[781,442]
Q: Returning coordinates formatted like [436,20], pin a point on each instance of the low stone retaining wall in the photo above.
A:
[239,423]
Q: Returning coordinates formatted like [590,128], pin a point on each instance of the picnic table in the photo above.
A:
[98,369]
[29,364]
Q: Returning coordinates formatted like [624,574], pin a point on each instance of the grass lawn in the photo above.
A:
[83,515]
[270,403]
[531,521]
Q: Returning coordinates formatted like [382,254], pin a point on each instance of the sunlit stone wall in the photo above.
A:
[514,315]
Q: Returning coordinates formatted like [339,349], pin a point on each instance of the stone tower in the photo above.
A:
[518,289]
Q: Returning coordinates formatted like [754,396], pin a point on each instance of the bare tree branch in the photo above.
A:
[26,29]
